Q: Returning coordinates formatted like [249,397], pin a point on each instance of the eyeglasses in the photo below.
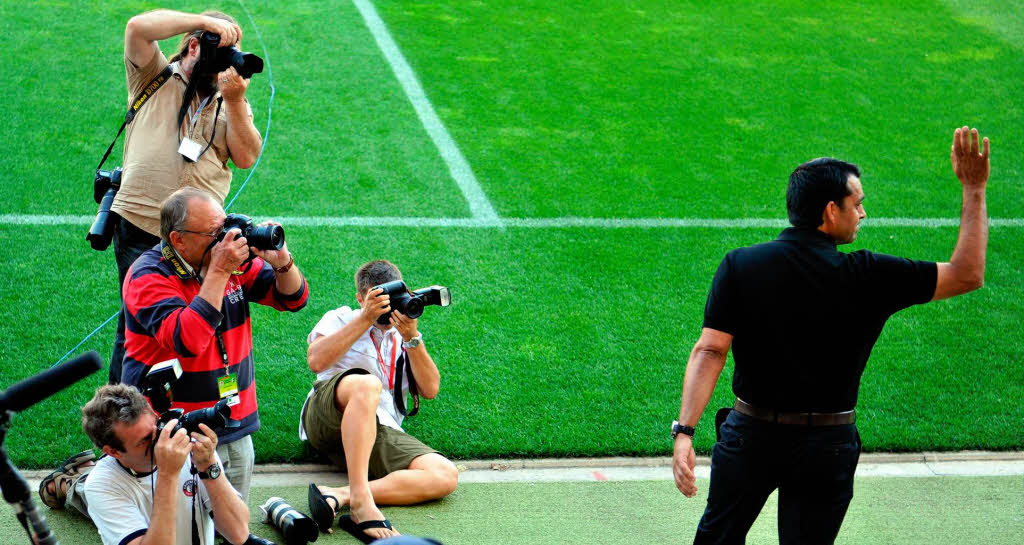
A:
[214,234]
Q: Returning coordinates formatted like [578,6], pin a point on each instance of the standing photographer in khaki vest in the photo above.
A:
[163,150]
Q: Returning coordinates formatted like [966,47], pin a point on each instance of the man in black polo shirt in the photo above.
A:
[801,319]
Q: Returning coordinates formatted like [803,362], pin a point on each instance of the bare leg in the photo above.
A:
[357,397]
[429,477]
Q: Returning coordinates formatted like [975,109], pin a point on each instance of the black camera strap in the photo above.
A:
[141,99]
[405,365]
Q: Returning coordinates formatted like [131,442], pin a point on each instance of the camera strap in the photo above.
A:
[141,99]
[399,395]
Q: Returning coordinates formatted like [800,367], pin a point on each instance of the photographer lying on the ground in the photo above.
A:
[351,415]
[143,491]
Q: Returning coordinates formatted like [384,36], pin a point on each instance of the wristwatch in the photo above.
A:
[413,342]
[678,428]
[211,472]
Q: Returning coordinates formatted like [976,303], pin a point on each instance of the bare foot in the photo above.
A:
[365,510]
[332,494]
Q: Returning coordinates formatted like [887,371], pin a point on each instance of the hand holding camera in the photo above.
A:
[274,250]
[204,446]
[230,33]
[375,303]
[232,86]
[170,451]
[404,324]
[230,252]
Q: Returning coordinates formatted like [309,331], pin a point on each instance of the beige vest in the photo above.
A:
[153,168]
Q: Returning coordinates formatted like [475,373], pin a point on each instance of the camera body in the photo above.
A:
[214,59]
[157,388]
[412,303]
[104,188]
[261,237]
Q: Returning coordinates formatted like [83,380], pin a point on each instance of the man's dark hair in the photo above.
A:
[813,185]
[376,273]
[113,404]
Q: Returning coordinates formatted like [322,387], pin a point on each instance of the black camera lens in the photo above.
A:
[246,64]
[413,308]
[215,417]
[266,237]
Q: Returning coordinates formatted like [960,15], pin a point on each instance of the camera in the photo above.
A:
[104,188]
[158,383]
[213,59]
[298,529]
[411,303]
[261,237]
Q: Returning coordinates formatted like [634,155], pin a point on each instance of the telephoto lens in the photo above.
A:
[298,529]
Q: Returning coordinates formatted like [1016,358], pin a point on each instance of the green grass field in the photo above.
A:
[905,511]
[562,340]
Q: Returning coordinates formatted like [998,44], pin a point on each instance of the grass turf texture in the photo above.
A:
[560,341]
[891,510]
[525,352]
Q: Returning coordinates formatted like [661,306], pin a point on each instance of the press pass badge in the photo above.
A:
[190,149]
[227,386]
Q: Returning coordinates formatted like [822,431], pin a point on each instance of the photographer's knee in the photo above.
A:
[359,388]
[446,479]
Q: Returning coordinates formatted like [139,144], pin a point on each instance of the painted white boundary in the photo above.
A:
[534,223]
[286,475]
[459,168]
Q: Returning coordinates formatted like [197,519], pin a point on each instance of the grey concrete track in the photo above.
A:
[922,464]
[927,464]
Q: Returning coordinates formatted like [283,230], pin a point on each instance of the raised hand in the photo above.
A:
[970,166]
[229,32]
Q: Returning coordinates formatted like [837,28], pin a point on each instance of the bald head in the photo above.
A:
[174,210]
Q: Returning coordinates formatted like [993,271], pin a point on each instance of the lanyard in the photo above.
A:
[196,114]
[380,361]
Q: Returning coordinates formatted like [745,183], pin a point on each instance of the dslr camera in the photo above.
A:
[261,237]
[411,303]
[213,59]
[104,187]
[157,388]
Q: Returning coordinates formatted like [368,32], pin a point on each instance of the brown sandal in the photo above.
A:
[62,478]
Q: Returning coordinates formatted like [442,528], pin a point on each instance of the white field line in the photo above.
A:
[535,223]
[285,476]
[479,206]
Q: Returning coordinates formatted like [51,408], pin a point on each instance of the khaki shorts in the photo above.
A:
[393,450]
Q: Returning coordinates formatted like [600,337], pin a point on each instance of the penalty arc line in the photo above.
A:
[479,206]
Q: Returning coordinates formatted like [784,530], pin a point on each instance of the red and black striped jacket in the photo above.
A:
[164,320]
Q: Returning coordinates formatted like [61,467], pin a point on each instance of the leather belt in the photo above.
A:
[797,419]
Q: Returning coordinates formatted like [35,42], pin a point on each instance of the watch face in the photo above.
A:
[214,471]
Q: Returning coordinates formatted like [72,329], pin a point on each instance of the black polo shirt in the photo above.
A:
[805,316]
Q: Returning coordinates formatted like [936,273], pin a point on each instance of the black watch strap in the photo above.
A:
[211,472]
[678,428]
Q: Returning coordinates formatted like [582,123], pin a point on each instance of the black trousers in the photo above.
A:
[812,467]
[129,243]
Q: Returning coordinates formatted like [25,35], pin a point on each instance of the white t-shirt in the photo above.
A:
[363,355]
[121,504]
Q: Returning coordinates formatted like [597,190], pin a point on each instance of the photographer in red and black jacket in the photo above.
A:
[186,299]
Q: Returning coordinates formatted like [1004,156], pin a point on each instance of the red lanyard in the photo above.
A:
[380,360]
